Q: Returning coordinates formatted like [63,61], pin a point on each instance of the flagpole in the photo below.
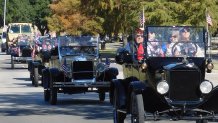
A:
[143,24]
[208,35]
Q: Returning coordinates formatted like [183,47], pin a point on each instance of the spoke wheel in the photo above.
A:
[117,116]
[53,93]
[36,77]
[46,95]
[137,108]
[12,62]
[201,121]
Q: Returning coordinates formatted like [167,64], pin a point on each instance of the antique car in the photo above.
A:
[168,84]
[14,30]
[76,67]
[21,50]
[41,55]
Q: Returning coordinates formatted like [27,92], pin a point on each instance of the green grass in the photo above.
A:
[110,53]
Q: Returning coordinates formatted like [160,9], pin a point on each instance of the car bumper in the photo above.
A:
[22,58]
[77,84]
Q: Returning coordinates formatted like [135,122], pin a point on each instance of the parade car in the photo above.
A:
[166,85]
[21,50]
[76,67]
[41,56]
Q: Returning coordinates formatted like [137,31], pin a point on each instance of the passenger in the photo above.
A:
[137,47]
[173,39]
[153,46]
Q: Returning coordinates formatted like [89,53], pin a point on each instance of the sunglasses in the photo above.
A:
[139,35]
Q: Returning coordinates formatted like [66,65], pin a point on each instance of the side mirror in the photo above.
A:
[123,56]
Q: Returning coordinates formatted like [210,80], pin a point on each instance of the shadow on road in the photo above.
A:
[33,104]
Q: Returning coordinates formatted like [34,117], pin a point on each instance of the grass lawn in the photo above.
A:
[110,53]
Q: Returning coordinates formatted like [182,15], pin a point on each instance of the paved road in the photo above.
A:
[22,103]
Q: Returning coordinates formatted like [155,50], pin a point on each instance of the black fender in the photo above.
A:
[57,75]
[121,93]
[152,100]
[54,72]
[36,63]
[211,101]
[45,78]
[108,74]
[29,63]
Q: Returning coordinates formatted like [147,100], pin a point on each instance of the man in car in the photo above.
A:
[136,47]
[185,45]
[154,49]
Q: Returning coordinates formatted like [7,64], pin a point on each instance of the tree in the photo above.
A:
[39,14]
[73,19]
[183,12]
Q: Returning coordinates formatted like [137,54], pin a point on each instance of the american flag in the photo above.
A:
[64,67]
[209,20]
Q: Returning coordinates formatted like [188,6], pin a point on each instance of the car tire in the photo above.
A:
[46,95]
[36,77]
[31,77]
[137,108]
[201,121]
[101,96]
[53,93]
[12,62]
[118,117]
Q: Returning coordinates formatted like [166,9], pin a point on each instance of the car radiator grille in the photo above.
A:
[82,70]
[184,85]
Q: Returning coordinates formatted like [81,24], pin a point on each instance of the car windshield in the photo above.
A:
[47,44]
[25,29]
[14,29]
[78,45]
[175,41]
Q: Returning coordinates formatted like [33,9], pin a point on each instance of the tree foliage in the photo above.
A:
[73,18]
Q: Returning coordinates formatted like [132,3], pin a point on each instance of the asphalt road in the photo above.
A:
[20,102]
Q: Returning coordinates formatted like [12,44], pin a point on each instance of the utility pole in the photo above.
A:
[4,12]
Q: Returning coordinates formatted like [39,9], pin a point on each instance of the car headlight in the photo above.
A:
[210,66]
[206,87]
[101,67]
[162,87]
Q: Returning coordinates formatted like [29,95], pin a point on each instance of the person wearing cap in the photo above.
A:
[136,47]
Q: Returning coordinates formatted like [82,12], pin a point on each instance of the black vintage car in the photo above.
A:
[169,83]
[75,67]
[21,50]
[41,55]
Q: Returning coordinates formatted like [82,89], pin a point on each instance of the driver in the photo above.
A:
[186,47]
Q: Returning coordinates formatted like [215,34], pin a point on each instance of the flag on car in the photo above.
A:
[209,20]
[64,66]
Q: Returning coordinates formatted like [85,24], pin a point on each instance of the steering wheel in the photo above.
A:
[187,48]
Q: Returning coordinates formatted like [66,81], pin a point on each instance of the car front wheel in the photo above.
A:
[53,93]
[117,116]
[101,96]
[46,95]
[201,121]
[137,108]
[36,77]
[12,62]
